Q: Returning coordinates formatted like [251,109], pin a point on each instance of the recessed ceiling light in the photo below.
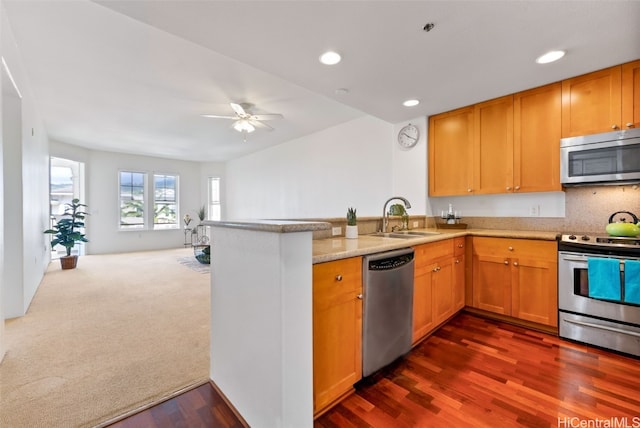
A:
[411,103]
[550,57]
[330,58]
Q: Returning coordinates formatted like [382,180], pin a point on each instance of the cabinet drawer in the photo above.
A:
[459,245]
[513,248]
[332,279]
[427,253]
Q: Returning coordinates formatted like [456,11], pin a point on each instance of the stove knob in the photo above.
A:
[572,237]
[585,238]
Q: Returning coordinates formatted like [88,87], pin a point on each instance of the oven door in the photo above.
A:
[573,290]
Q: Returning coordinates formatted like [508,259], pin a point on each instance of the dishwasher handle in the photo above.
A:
[390,260]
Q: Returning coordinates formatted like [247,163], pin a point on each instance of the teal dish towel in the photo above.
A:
[632,281]
[604,278]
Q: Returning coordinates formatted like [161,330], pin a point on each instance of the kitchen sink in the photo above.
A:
[404,234]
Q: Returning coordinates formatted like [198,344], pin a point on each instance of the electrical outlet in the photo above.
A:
[416,224]
[534,211]
[335,231]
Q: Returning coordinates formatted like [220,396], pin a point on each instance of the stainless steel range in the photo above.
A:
[597,303]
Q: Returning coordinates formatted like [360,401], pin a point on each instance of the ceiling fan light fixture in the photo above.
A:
[243,125]
[550,56]
[330,58]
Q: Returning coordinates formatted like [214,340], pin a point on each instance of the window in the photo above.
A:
[165,201]
[214,198]
[142,206]
[132,204]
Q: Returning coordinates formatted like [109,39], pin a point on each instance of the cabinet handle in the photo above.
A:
[436,269]
[506,262]
[338,277]
[630,125]
[457,261]
[510,248]
[515,264]
[508,188]
[469,190]
[460,246]
[359,296]
[614,126]
[517,187]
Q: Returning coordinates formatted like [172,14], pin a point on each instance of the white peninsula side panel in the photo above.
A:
[261,320]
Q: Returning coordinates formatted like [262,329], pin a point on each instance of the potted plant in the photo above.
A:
[67,232]
[351,231]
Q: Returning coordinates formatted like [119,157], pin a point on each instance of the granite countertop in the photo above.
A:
[329,249]
[274,226]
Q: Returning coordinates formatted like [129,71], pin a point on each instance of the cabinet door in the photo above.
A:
[492,283]
[458,282]
[337,329]
[423,321]
[493,137]
[442,290]
[536,139]
[591,103]
[534,291]
[631,95]
[451,153]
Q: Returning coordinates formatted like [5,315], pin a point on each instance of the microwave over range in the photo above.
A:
[608,158]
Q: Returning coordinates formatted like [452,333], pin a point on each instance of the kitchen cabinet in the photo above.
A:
[493,142]
[602,101]
[509,144]
[537,128]
[631,94]
[516,278]
[434,295]
[337,330]
[451,152]
[459,273]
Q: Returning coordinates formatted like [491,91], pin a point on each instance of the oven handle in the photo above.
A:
[603,327]
[584,260]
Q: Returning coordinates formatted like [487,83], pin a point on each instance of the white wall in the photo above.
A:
[319,175]
[409,169]
[26,199]
[2,346]
[101,169]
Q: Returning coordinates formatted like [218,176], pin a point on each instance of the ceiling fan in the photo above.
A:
[245,120]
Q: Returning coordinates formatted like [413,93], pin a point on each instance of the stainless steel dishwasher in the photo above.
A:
[387,308]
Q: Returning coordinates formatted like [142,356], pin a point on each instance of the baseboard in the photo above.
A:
[228,403]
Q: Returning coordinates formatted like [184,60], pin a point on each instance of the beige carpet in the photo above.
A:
[117,333]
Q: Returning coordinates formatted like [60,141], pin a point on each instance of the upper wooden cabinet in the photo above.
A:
[602,101]
[451,152]
[536,139]
[493,142]
[510,144]
[631,94]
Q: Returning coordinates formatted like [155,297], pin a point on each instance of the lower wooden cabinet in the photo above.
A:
[516,278]
[337,330]
[459,273]
[438,286]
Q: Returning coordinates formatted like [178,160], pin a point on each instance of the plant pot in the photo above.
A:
[68,262]
[351,232]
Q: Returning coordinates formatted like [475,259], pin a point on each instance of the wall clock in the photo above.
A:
[408,136]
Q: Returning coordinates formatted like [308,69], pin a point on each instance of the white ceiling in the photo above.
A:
[135,76]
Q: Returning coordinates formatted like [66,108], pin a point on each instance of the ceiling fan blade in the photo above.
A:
[238,109]
[215,116]
[259,124]
[270,116]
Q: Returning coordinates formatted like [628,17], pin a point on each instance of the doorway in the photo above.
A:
[66,178]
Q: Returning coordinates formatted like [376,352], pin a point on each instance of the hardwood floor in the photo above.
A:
[472,372]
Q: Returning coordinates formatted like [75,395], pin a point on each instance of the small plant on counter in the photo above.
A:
[351,217]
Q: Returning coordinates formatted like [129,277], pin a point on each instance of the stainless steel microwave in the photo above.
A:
[609,158]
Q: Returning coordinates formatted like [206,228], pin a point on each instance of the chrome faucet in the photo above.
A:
[385,217]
